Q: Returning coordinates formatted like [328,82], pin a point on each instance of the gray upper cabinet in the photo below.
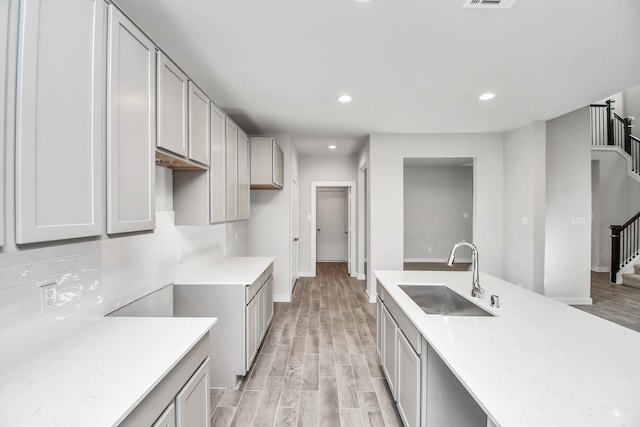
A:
[131,139]
[199,125]
[4,37]
[244,178]
[59,120]
[267,163]
[217,170]
[173,87]
[231,143]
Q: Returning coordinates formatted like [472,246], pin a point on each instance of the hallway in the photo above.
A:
[318,365]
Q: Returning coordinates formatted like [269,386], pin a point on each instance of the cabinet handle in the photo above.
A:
[295,239]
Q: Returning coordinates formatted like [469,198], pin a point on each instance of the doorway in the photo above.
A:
[332,224]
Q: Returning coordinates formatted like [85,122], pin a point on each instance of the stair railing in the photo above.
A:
[625,244]
[609,129]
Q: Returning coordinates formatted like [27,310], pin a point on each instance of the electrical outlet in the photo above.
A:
[48,297]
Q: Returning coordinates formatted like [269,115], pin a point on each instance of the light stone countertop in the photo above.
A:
[98,375]
[538,362]
[222,271]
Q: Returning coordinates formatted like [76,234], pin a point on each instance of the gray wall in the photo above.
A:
[524,206]
[435,201]
[568,208]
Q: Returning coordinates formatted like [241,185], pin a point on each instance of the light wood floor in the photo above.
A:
[617,303]
[318,365]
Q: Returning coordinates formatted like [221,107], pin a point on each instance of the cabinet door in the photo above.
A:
[389,350]
[168,417]
[217,169]
[231,142]
[59,120]
[380,329]
[262,314]
[192,402]
[268,311]
[199,125]
[408,383]
[278,166]
[244,170]
[172,106]
[252,330]
[131,141]
[4,36]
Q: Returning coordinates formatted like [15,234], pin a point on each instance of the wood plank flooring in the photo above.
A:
[318,365]
[617,303]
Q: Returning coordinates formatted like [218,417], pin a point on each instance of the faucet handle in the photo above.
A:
[495,301]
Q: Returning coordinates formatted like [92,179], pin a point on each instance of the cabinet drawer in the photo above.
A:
[408,328]
[253,289]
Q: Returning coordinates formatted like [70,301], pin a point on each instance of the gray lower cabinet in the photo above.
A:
[59,119]
[168,417]
[389,350]
[181,398]
[131,140]
[408,382]
[244,313]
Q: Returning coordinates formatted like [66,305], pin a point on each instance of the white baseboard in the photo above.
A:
[598,269]
[444,260]
[305,274]
[372,298]
[361,277]
[281,298]
[575,301]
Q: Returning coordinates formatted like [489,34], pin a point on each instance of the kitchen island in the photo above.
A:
[535,362]
[115,371]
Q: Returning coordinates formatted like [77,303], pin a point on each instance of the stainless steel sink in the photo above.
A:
[439,299]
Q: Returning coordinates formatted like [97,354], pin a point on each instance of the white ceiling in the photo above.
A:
[412,66]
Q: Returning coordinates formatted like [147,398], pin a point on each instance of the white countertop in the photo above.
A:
[222,271]
[97,376]
[538,362]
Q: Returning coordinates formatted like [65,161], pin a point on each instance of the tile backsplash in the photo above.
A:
[96,276]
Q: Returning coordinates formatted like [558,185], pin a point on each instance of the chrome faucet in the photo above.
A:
[476,290]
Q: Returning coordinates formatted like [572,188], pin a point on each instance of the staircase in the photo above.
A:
[632,279]
[610,130]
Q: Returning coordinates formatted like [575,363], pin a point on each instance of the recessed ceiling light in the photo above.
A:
[345,98]
[486,96]
[332,147]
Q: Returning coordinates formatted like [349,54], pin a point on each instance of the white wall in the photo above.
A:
[568,208]
[387,154]
[631,102]
[268,230]
[318,169]
[524,206]
[435,201]
[364,220]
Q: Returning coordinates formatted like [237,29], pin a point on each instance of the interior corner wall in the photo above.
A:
[429,234]
[524,206]
[364,220]
[568,208]
[268,230]
[316,169]
[387,154]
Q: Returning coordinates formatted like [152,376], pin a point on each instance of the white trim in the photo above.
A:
[351,185]
[599,269]
[575,301]
[305,274]
[372,298]
[281,298]
[440,260]
[624,154]
[361,277]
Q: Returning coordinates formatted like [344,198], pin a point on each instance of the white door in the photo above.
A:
[331,224]
[295,243]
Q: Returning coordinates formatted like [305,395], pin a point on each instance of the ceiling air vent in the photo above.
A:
[488,4]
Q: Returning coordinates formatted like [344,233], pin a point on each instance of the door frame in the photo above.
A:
[351,196]
[294,270]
